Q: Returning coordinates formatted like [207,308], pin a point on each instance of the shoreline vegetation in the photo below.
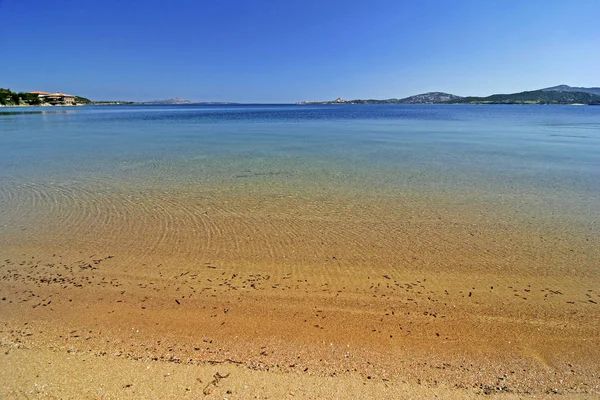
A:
[8,98]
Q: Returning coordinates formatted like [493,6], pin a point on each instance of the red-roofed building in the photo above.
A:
[56,98]
[40,93]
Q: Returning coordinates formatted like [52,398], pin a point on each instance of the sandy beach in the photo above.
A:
[194,294]
[309,200]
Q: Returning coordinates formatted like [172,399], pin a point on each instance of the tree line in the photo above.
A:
[10,98]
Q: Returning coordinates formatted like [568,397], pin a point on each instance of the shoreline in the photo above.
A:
[333,302]
[42,105]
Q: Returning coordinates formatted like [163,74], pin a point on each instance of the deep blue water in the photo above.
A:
[490,150]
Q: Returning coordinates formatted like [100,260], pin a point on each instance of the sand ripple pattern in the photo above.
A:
[334,234]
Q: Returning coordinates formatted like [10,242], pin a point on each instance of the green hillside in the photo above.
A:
[533,97]
[567,88]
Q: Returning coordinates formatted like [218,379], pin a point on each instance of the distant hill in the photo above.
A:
[429,98]
[562,94]
[567,88]
[176,100]
[534,97]
[424,98]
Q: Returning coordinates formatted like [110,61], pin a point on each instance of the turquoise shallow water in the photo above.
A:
[549,155]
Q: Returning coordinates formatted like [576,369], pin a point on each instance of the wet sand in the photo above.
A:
[221,294]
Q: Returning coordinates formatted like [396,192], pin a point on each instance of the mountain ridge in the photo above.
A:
[422,98]
[561,94]
[540,96]
[567,88]
[429,98]
[179,100]
[174,100]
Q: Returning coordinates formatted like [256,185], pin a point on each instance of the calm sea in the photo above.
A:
[546,158]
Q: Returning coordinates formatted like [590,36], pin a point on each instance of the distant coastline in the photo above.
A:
[8,98]
[556,95]
[174,101]
[560,95]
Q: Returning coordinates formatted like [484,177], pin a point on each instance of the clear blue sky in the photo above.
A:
[285,51]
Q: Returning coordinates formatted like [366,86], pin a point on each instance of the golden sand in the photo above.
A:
[187,294]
